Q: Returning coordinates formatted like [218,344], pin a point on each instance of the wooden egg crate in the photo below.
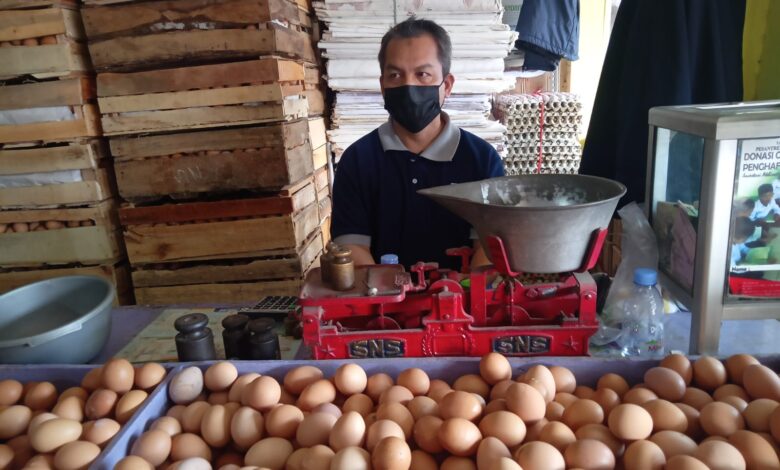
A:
[48,111]
[146,34]
[118,274]
[223,229]
[218,161]
[313,90]
[86,158]
[55,237]
[322,183]
[217,95]
[319,140]
[41,38]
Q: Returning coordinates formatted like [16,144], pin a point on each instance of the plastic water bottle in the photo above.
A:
[642,328]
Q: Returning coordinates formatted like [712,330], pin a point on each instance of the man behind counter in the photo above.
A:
[376,208]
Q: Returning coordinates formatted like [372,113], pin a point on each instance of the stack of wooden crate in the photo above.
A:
[57,215]
[208,105]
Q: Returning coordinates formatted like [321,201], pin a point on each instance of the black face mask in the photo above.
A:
[413,106]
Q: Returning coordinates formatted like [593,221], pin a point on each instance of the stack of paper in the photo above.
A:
[351,44]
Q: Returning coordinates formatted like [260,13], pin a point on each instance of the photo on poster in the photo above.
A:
[754,257]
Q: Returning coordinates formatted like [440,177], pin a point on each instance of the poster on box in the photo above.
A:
[754,269]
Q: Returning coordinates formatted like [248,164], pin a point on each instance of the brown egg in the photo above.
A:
[613,381]
[720,419]
[100,404]
[708,373]
[220,376]
[674,443]
[364,405]
[76,455]
[500,388]
[14,421]
[399,414]
[460,404]
[583,391]
[42,461]
[377,384]
[666,383]
[758,413]
[350,379]
[129,404]
[696,397]
[564,379]
[494,367]
[294,461]
[422,406]
[193,416]
[41,396]
[271,453]
[566,399]
[246,427]
[607,399]
[680,364]
[543,375]
[22,451]
[415,380]
[761,382]
[78,392]
[6,456]
[92,379]
[589,454]
[438,389]
[318,457]
[148,376]
[720,456]
[422,460]
[526,402]
[554,411]
[215,426]
[490,450]
[381,429]
[426,434]
[264,392]
[736,364]
[39,419]
[640,395]
[283,421]
[176,412]
[472,383]
[154,446]
[391,453]
[396,394]
[539,456]
[350,430]
[458,463]
[644,455]
[726,390]
[10,392]
[758,453]
[188,445]
[602,434]
[133,462]
[506,426]
[505,463]
[666,416]
[54,433]
[692,417]
[774,424]
[237,389]
[315,429]
[558,435]
[70,407]
[296,380]
[351,458]
[118,375]
[100,432]
[460,437]
[186,386]
[496,405]
[630,422]
[582,412]
[738,403]
[685,462]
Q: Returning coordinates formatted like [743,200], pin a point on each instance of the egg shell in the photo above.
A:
[472,383]
[128,404]
[92,379]
[237,389]
[426,434]
[381,429]
[186,385]
[318,457]
[329,408]
[532,431]
[350,379]
[188,445]
[118,375]
[582,412]
[391,453]
[666,416]
[38,419]
[458,463]
[694,429]
[736,364]
[41,461]
[154,446]
[674,443]
[720,419]
[666,383]
[505,464]
[460,437]
[351,458]
[176,412]
[361,403]
[494,367]
[101,431]
[377,384]
[246,427]
[133,462]
[607,399]
[215,426]
[558,435]
[317,393]
[194,463]
[565,381]
[315,429]
[554,411]
[79,392]
[758,413]
[438,389]
[271,452]
[422,460]
[526,402]
[545,377]
[295,460]
[70,407]
[41,396]
[696,397]
[644,455]
[14,421]
[396,394]
[566,399]
[220,376]
[217,398]
[504,425]
[490,450]
[193,416]
[685,462]
[680,364]
[761,382]
[758,453]
[726,390]
[264,392]
[460,404]
[499,389]
[602,434]
[10,392]
[100,404]
[539,456]
[148,376]
[76,455]
[738,403]
[296,380]
[350,431]
[637,396]
[498,404]
[774,424]
[283,421]
[613,381]
[589,454]
[415,380]
[6,456]
[422,406]
[708,373]
[54,433]
[720,456]
[630,422]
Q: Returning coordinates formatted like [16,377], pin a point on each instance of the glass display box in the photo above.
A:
[713,199]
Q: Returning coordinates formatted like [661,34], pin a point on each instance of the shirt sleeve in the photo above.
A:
[351,223]
[773,207]
[755,215]
[495,165]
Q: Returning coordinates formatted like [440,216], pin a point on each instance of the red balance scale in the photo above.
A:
[438,312]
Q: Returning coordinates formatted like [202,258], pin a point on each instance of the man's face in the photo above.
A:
[766,197]
[414,61]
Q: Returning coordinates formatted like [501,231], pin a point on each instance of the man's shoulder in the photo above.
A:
[369,143]
[472,144]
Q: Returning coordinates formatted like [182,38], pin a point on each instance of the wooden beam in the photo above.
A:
[75,91]
[43,159]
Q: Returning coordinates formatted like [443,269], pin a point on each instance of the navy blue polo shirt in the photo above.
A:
[375,200]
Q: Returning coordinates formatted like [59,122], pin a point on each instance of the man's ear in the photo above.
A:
[449,81]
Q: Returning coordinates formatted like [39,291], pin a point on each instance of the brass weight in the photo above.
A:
[342,269]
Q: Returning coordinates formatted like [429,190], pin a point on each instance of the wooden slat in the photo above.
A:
[86,245]
[228,292]
[198,118]
[233,239]
[52,195]
[256,269]
[127,53]
[269,69]
[23,4]
[44,159]
[143,18]
[75,91]
[287,135]
[50,60]
[118,275]
[320,157]
[317,134]
[316,101]
[103,214]
[87,126]
[321,179]
[23,24]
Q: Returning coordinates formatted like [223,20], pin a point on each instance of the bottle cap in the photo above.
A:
[388,258]
[645,276]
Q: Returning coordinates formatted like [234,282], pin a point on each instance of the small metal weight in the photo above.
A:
[233,335]
[342,269]
[195,341]
[326,261]
[263,343]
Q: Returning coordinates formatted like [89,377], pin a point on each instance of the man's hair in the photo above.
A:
[765,188]
[412,28]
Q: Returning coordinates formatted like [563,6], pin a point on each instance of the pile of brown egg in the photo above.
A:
[685,416]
